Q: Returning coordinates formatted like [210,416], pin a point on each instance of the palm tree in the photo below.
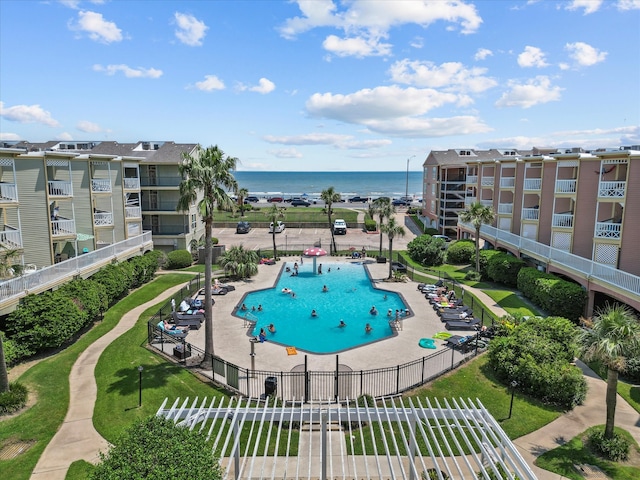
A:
[207,172]
[241,193]
[613,337]
[478,215]
[384,209]
[274,213]
[242,263]
[392,229]
[330,196]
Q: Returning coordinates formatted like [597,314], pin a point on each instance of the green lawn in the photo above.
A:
[48,381]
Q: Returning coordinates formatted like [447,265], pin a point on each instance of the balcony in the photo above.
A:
[507,182]
[532,184]
[103,219]
[167,206]
[608,230]
[611,189]
[505,208]
[8,192]
[487,181]
[472,179]
[59,188]
[562,220]
[100,185]
[11,238]
[161,181]
[132,212]
[132,183]
[566,186]
[63,227]
[530,214]
[487,203]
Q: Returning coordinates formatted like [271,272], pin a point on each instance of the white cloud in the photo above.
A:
[452,76]
[75,4]
[589,6]
[343,142]
[482,53]
[210,83]
[285,153]
[537,90]
[584,54]
[88,127]
[624,5]
[190,31]
[28,114]
[97,27]
[128,72]
[430,127]
[264,86]
[365,22]
[7,136]
[64,136]
[417,42]
[358,47]
[532,57]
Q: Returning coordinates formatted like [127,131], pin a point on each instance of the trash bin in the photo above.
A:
[270,386]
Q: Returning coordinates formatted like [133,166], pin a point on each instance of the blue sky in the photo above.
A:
[308,84]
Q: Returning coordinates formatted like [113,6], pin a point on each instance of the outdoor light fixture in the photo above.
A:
[514,384]
[140,368]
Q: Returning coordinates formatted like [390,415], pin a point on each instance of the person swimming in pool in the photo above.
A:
[243,307]
[368,328]
[272,328]
[373,310]
[325,288]
[389,313]
[342,324]
[314,313]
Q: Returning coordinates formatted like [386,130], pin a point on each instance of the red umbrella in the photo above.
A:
[314,252]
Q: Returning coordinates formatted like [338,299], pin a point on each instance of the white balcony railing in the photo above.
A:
[100,185]
[608,230]
[59,188]
[611,189]
[487,203]
[11,239]
[532,184]
[8,192]
[487,181]
[469,200]
[507,182]
[63,227]
[564,220]
[133,212]
[566,186]
[472,179]
[132,183]
[505,208]
[530,213]
[103,219]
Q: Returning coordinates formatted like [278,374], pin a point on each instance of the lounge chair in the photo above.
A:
[441,310]
[456,315]
[426,286]
[177,316]
[174,333]
[472,324]
[191,321]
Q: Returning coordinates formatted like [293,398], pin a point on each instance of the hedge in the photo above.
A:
[460,252]
[485,255]
[178,259]
[370,225]
[504,268]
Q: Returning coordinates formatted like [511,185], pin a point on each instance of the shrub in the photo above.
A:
[426,250]
[632,369]
[460,252]
[88,295]
[370,225]
[485,255]
[11,351]
[14,399]
[178,259]
[473,276]
[615,449]
[115,280]
[503,268]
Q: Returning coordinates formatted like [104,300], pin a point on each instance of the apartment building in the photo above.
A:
[59,200]
[568,211]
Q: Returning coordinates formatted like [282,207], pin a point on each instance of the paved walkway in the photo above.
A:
[77,438]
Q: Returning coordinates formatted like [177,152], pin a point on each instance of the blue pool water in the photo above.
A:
[349,298]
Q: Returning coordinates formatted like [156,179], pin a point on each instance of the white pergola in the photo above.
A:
[419,435]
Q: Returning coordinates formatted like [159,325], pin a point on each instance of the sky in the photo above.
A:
[304,85]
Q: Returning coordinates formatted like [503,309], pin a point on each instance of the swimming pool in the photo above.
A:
[350,296]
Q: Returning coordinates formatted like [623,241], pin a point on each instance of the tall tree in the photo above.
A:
[329,197]
[478,215]
[207,172]
[392,229]
[613,337]
[384,209]
[241,193]
[274,213]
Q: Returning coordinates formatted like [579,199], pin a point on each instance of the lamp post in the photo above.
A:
[140,368]
[406,190]
[514,384]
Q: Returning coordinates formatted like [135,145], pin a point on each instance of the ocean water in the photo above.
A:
[374,184]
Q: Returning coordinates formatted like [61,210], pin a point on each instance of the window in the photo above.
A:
[433,189]
[434,172]
[433,206]
[194,222]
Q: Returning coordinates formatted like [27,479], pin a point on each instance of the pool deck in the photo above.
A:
[231,340]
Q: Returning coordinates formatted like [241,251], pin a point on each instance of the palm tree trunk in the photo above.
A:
[612,391]
[478,249]
[4,376]
[208,308]
[273,238]
[332,249]
[390,257]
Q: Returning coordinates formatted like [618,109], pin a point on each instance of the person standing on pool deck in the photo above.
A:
[320,269]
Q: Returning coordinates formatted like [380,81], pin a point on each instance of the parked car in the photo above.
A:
[276,199]
[340,227]
[279,227]
[442,237]
[358,199]
[243,227]
[299,203]
[252,199]
[398,202]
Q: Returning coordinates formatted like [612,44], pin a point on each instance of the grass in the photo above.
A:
[628,391]
[511,302]
[561,460]
[48,381]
